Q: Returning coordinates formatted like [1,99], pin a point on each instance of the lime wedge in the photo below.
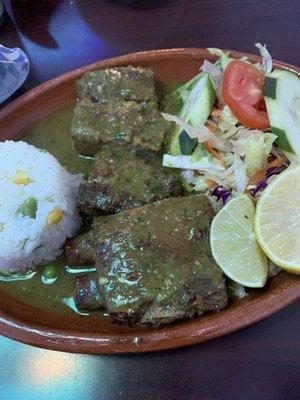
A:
[234,245]
[277,221]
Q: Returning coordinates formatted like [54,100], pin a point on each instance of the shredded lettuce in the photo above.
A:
[200,184]
[254,146]
[187,162]
[188,175]
[257,152]
[194,131]
[210,68]
[216,71]
[240,174]
[236,174]
[216,52]
[227,120]
[193,181]
[224,58]
[267,64]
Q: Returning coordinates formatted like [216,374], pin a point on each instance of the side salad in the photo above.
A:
[237,128]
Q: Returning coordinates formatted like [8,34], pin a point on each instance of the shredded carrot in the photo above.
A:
[212,127]
[259,175]
[214,152]
[275,163]
[216,112]
[210,183]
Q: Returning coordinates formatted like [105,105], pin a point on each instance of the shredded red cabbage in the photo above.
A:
[276,170]
[259,187]
[270,172]
[221,193]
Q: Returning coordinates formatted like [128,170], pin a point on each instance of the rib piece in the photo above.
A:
[154,262]
[86,294]
[124,83]
[120,179]
[120,106]
[80,250]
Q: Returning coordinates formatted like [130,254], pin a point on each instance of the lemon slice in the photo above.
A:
[234,245]
[277,221]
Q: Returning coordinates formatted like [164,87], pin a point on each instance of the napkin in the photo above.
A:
[14,68]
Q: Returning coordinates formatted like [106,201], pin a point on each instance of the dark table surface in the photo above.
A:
[260,362]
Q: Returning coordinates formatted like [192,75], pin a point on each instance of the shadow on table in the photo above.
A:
[111,19]
[132,25]
[31,13]
[142,4]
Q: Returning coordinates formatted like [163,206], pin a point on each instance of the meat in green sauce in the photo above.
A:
[154,263]
[117,105]
[87,295]
[120,179]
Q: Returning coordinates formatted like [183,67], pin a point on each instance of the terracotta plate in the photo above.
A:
[94,335]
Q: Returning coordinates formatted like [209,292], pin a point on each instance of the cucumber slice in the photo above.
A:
[282,139]
[187,144]
[195,110]
[270,87]
[282,97]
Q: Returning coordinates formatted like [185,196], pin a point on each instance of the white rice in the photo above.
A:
[26,241]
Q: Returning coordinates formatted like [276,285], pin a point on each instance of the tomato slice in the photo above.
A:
[242,91]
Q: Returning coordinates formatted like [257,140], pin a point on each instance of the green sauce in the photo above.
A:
[53,135]
[34,292]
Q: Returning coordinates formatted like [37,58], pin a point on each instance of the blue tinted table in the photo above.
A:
[260,362]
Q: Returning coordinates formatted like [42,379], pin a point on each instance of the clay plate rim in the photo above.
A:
[242,314]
